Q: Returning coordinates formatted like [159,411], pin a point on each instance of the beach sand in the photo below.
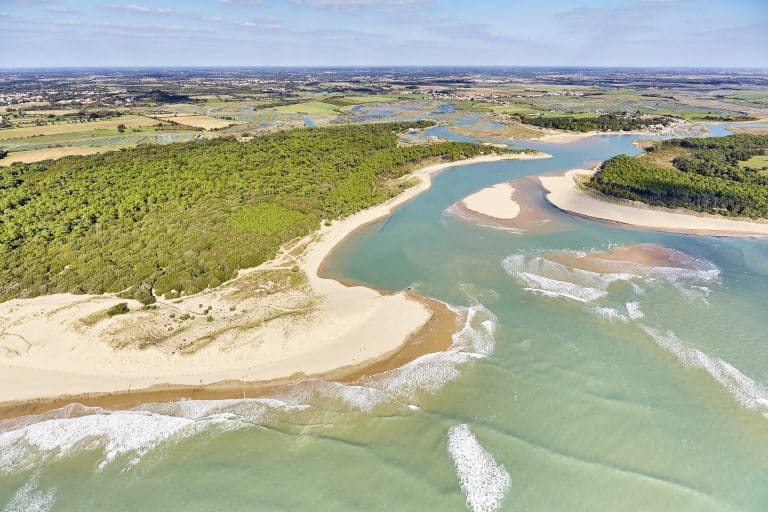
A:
[61,348]
[564,192]
[495,202]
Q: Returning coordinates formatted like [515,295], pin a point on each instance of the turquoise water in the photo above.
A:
[564,391]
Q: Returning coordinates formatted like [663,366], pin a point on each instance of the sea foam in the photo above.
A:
[483,481]
[544,277]
[30,498]
[131,433]
[746,391]
[30,441]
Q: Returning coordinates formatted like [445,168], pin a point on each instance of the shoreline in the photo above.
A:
[565,193]
[79,366]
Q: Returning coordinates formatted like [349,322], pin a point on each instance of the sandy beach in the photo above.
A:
[565,193]
[566,137]
[495,202]
[248,330]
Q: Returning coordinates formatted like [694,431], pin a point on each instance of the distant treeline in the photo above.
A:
[615,122]
[179,218]
[705,176]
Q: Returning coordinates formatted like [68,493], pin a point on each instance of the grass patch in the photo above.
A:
[756,97]
[759,162]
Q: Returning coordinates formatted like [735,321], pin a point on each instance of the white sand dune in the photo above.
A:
[48,348]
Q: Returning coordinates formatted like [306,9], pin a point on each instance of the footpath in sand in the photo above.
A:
[252,329]
[565,193]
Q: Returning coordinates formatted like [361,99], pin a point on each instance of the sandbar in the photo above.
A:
[495,202]
[565,193]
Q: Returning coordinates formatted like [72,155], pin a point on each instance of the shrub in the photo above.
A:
[118,309]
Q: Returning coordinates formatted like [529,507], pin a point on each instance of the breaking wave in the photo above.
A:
[747,392]
[483,481]
[544,276]
[30,498]
[129,435]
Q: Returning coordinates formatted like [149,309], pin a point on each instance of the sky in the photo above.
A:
[118,33]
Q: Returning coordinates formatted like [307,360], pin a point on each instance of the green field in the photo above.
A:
[756,97]
[484,106]
[130,121]
[183,217]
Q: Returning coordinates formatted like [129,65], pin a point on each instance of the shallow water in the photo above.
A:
[565,390]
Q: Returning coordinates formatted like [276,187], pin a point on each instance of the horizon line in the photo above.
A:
[385,66]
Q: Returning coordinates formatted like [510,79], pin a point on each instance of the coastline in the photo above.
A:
[564,193]
[51,358]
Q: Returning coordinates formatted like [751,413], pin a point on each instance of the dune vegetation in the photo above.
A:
[179,218]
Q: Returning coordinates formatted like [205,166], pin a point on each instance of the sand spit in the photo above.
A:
[565,193]
[251,330]
[522,196]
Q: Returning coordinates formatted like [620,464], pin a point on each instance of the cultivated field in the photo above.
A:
[39,155]
[204,122]
[317,108]
[130,121]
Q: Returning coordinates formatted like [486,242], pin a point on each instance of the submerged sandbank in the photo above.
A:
[565,193]
[62,348]
[636,258]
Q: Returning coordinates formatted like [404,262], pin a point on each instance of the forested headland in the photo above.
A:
[710,174]
[179,218]
[613,122]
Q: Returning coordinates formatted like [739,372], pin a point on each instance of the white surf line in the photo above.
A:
[746,391]
[483,481]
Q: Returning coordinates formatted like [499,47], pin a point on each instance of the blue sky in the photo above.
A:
[731,33]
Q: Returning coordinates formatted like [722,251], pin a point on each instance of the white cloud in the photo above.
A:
[241,2]
[60,9]
[390,5]
[141,9]
[260,25]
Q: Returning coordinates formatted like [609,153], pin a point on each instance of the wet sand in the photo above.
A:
[434,336]
[634,257]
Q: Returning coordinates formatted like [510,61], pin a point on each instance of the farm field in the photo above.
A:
[195,121]
[130,121]
[310,108]
[38,155]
